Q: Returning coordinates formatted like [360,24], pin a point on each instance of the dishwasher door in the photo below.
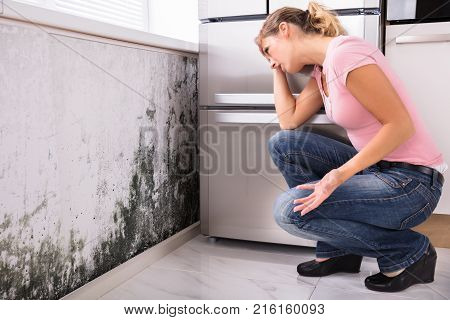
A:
[238,180]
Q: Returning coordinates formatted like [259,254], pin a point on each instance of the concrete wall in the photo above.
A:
[98,156]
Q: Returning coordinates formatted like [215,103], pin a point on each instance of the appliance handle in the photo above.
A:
[263,118]
[246,98]
[423,38]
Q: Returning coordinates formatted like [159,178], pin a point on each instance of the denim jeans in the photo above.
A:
[370,214]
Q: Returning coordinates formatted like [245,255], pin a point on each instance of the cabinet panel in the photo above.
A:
[230,8]
[420,56]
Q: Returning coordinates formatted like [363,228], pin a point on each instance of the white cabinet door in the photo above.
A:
[230,8]
[420,55]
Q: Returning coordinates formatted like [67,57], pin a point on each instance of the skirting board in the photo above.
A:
[101,285]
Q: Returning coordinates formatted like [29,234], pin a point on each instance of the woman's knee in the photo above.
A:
[284,205]
[280,142]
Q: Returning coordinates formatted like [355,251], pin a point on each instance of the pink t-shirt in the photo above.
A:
[345,53]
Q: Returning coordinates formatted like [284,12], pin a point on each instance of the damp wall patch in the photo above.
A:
[99,157]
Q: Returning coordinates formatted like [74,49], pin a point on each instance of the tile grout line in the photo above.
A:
[314,290]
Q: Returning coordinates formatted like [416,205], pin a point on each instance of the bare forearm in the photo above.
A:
[284,101]
[388,138]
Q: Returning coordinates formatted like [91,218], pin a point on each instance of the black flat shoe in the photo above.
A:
[422,271]
[347,263]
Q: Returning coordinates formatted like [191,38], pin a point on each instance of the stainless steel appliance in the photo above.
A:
[238,181]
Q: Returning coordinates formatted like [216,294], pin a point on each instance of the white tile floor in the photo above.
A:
[236,269]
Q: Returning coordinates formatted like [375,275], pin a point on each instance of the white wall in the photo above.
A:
[174,18]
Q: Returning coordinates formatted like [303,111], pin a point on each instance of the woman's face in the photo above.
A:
[280,49]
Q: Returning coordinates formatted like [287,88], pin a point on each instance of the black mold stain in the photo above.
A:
[152,213]
[137,229]
[150,114]
[46,273]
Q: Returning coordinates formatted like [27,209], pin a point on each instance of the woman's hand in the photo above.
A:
[322,190]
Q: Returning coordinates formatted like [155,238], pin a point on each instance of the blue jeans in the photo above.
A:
[370,214]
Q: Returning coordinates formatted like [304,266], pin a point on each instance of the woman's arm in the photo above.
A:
[292,112]
[370,86]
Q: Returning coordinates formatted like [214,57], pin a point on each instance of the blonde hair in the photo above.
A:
[317,19]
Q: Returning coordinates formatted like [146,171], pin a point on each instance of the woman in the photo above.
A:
[360,199]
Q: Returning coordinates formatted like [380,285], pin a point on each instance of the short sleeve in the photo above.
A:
[350,56]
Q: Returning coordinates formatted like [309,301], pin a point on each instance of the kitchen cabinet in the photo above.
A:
[231,8]
[420,56]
